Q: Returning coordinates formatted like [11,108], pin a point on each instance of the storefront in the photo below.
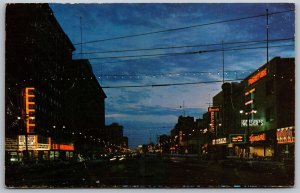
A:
[262,145]
[62,152]
[286,142]
[220,147]
[237,145]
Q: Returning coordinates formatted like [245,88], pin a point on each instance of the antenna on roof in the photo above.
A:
[80,38]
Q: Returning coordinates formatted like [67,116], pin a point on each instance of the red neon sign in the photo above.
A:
[62,147]
[260,137]
[257,76]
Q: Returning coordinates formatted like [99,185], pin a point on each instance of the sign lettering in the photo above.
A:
[252,122]
[257,76]
[259,137]
[286,135]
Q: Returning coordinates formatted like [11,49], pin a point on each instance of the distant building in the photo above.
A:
[113,134]
[164,142]
[124,142]
[181,134]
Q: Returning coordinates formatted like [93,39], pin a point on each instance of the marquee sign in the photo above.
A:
[11,144]
[252,122]
[219,141]
[257,137]
[286,135]
[31,142]
[237,138]
[254,78]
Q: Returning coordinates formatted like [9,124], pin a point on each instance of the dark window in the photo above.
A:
[269,114]
[269,87]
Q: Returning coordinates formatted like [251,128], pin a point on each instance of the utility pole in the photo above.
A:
[223,59]
[267,36]
[183,111]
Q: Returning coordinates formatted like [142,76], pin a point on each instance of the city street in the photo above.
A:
[150,95]
[155,172]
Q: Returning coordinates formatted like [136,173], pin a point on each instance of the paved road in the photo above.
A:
[149,172]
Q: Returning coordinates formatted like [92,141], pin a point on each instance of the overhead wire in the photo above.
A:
[179,53]
[168,84]
[183,46]
[183,28]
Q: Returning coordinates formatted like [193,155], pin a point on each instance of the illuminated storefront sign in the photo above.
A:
[213,109]
[257,76]
[43,146]
[250,91]
[69,147]
[212,121]
[286,135]
[11,144]
[31,142]
[248,102]
[257,137]
[252,122]
[237,138]
[219,141]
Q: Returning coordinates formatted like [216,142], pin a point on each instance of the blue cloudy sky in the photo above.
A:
[148,112]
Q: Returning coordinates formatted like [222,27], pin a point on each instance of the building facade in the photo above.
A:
[256,117]
[50,99]
[37,52]
[269,108]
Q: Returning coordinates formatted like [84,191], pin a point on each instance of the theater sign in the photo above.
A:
[285,135]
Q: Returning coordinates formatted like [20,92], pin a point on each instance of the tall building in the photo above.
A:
[53,103]
[37,53]
[84,107]
[113,134]
[181,134]
[269,108]
[256,118]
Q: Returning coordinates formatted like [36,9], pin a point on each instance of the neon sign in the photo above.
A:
[259,137]
[286,135]
[212,121]
[219,141]
[252,122]
[62,147]
[213,109]
[250,91]
[32,142]
[237,138]
[29,104]
[257,76]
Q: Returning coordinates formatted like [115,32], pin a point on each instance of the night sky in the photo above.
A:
[147,112]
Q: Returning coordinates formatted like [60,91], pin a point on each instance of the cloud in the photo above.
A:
[116,115]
